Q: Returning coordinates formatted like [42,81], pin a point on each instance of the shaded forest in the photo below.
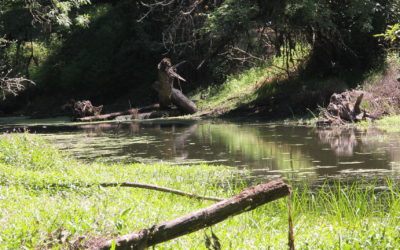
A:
[107,52]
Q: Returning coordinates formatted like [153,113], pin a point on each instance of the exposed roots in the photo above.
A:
[379,99]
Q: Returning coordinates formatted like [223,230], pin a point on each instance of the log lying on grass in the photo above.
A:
[247,200]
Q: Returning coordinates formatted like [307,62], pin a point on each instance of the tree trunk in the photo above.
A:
[247,200]
[165,83]
[167,94]
[182,102]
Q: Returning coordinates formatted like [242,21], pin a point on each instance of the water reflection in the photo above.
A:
[342,141]
[295,152]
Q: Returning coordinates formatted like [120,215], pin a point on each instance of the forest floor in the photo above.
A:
[51,200]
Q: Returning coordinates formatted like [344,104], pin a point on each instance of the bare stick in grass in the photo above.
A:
[158,188]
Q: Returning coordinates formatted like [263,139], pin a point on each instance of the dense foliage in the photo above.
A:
[107,52]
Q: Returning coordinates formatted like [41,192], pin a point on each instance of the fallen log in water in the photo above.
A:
[247,200]
[133,114]
[109,116]
[159,114]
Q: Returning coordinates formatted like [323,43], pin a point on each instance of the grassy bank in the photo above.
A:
[244,88]
[45,202]
[387,123]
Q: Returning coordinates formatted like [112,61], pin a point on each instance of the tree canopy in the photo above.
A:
[57,43]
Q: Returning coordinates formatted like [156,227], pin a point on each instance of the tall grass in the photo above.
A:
[45,202]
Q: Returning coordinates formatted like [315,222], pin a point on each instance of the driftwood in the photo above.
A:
[79,109]
[85,108]
[159,114]
[133,114]
[105,117]
[158,188]
[344,108]
[247,200]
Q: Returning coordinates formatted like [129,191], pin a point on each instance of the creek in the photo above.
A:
[268,150]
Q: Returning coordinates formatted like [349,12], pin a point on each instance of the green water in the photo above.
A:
[268,150]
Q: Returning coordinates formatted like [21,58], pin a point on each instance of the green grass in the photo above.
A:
[44,197]
[236,89]
[387,123]
[242,88]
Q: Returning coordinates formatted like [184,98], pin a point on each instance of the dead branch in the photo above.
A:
[12,85]
[158,188]
[152,7]
[248,54]
[106,117]
[245,201]
[178,34]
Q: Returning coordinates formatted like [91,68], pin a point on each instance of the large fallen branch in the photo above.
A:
[158,188]
[182,102]
[106,117]
[247,200]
